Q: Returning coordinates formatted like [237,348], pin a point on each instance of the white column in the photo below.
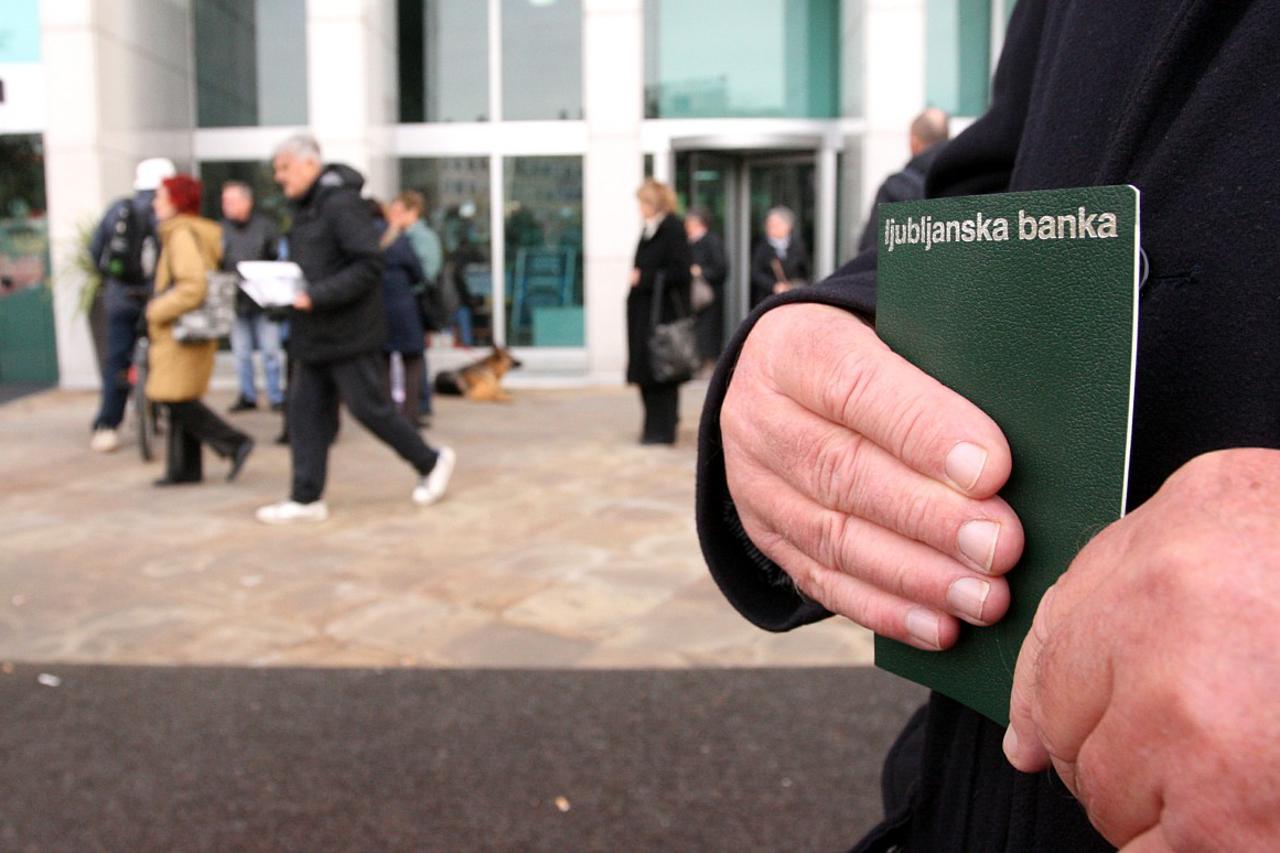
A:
[613,100]
[100,123]
[351,86]
[894,86]
[828,178]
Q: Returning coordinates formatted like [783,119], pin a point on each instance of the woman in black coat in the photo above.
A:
[661,264]
[781,261]
[402,279]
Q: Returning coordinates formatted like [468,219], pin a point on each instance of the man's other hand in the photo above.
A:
[302,302]
[870,483]
[1151,677]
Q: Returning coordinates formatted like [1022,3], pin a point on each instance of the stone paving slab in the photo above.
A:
[562,543]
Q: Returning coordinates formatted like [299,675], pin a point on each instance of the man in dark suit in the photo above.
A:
[929,131]
[837,478]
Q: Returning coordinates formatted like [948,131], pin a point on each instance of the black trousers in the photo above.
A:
[414,367]
[314,394]
[192,424]
[661,412]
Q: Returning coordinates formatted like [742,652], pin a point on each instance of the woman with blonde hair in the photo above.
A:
[178,376]
[661,272]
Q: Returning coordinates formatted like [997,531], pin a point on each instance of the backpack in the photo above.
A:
[124,253]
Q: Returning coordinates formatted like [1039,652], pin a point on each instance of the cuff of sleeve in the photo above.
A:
[756,586]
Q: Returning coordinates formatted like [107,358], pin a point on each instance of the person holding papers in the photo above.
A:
[337,332]
[837,478]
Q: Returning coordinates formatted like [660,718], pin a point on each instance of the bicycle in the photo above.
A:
[146,414]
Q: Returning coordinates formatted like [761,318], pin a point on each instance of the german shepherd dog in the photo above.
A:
[480,380]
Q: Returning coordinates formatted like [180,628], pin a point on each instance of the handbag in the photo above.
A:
[211,319]
[703,295]
[673,347]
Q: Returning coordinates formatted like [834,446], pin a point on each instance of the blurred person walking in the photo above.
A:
[249,236]
[661,272]
[928,131]
[123,249]
[402,276]
[710,264]
[178,376]
[781,261]
[337,334]
[406,212]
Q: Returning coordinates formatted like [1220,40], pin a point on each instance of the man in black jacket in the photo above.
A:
[834,477]
[928,131]
[247,235]
[337,333]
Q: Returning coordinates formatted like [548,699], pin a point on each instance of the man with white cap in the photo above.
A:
[123,249]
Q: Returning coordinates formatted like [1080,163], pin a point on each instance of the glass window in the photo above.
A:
[541,59]
[742,58]
[267,198]
[456,190]
[544,251]
[443,60]
[251,62]
[958,50]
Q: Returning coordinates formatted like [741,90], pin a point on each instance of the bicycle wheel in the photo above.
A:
[142,413]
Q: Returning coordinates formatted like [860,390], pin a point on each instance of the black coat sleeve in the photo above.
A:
[763,277]
[352,229]
[715,266]
[979,160]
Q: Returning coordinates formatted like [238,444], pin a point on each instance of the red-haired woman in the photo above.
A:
[179,373]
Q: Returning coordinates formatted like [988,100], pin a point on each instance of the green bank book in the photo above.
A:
[1027,305]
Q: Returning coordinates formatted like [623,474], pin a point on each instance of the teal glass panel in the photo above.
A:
[443,50]
[742,58]
[20,31]
[544,251]
[28,351]
[251,62]
[958,55]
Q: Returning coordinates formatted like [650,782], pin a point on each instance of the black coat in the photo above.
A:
[334,241]
[402,277]
[255,239]
[666,253]
[904,185]
[795,268]
[708,253]
[1177,98]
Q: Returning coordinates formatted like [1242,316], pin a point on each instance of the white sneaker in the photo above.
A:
[431,487]
[287,512]
[105,440]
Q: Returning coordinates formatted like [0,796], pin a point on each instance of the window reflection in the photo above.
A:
[544,251]
[457,193]
[251,62]
[761,58]
[541,59]
[443,60]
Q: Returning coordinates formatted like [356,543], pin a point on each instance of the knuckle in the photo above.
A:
[914,515]
[912,425]
[851,384]
[834,461]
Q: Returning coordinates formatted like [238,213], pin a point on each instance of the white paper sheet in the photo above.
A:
[271,284]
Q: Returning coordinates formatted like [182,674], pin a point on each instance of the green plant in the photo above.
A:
[81,261]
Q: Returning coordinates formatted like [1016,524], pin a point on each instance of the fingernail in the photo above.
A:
[977,541]
[923,624]
[968,596]
[965,463]
[1011,745]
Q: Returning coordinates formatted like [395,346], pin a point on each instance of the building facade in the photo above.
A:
[527,124]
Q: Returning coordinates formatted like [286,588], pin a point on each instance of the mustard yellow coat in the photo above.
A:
[189,247]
